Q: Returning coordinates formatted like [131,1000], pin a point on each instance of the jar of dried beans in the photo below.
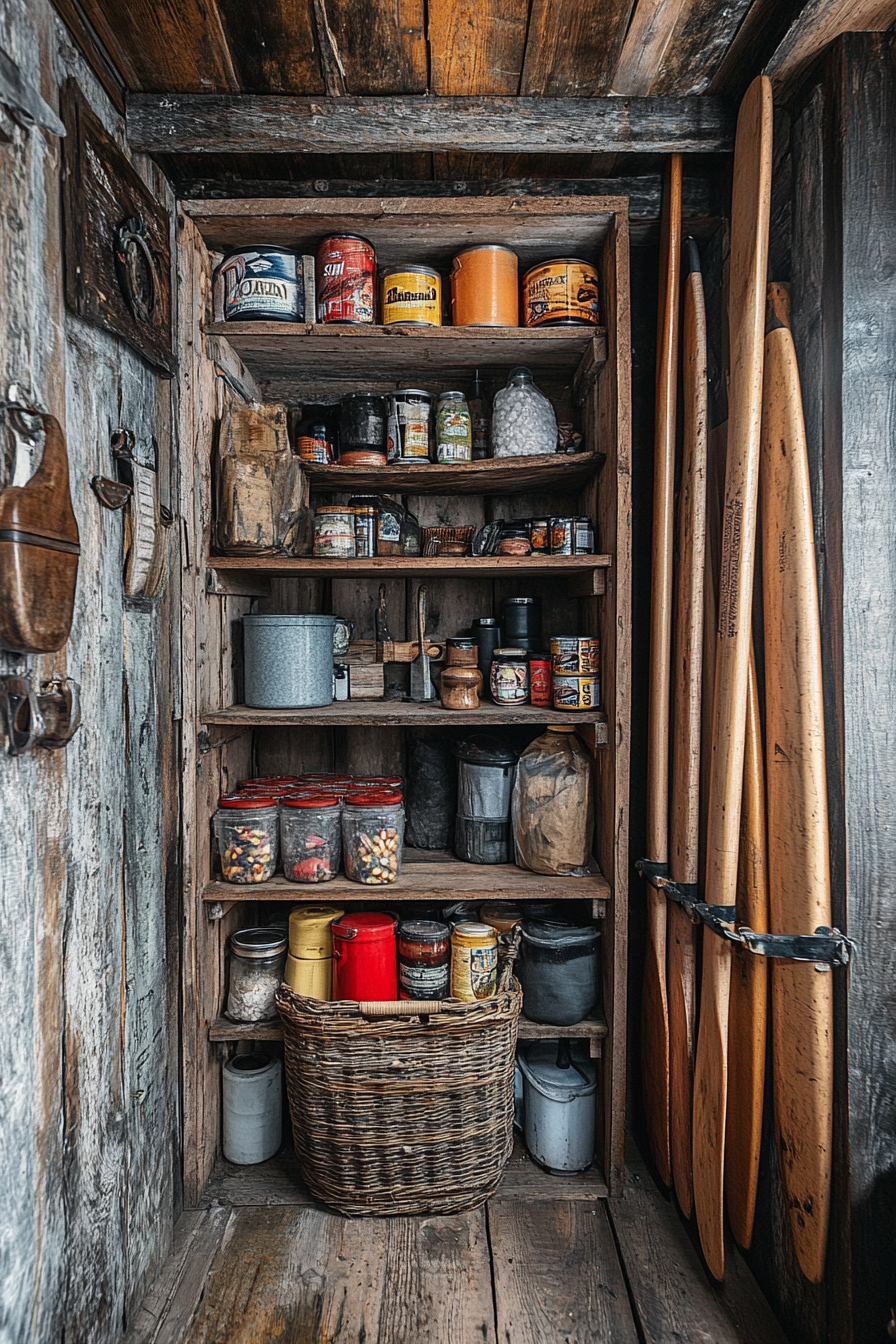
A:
[372,836]
[247,835]
[310,837]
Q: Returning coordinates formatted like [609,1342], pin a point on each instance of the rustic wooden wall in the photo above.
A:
[89,869]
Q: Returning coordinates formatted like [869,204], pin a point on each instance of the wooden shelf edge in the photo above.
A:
[554,566]
[591,1029]
[401,714]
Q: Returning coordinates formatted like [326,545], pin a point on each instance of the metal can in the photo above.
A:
[584,536]
[408,426]
[563,536]
[576,692]
[413,295]
[540,535]
[346,279]
[474,962]
[509,680]
[424,959]
[454,429]
[362,422]
[315,446]
[562,292]
[334,533]
[263,284]
[485,288]
[540,679]
[575,655]
[365,531]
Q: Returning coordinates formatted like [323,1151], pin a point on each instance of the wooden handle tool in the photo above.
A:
[654,1006]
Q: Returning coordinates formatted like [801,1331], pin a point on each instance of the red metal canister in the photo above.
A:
[346,279]
[540,678]
[364,957]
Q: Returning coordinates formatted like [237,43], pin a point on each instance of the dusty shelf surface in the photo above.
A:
[397,714]
[558,567]
[591,1028]
[495,476]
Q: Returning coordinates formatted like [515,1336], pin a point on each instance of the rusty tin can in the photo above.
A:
[346,279]
[562,292]
[576,692]
[412,295]
[575,655]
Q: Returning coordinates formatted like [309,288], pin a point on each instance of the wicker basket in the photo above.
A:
[446,540]
[401,1108]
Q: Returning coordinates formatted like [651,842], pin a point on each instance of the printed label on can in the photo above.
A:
[423,982]
[263,284]
[540,683]
[412,296]
[474,972]
[408,429]
[510,683]
[584,536]
[389,529]
[346,271]
[576,692]
[561,291]
[576,657]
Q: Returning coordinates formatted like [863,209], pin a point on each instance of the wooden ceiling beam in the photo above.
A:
[271,124]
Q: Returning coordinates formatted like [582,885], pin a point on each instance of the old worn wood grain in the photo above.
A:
[818,24]
[176,46]
[641,56]
[253,124]
[557,568]
[167,1310]
[557,1274]
[699,41]
[572,53]
[271,46]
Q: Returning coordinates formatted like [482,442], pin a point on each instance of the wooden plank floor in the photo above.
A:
[556,1271]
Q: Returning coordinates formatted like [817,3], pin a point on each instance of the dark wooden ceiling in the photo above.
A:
[558,48]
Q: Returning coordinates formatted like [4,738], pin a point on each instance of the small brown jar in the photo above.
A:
[424,959]
[459,687]
[461,652]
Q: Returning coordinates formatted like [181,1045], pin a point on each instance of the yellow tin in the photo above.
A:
[310,976]
[309,931]
[563,292]
[474,962]
[576,692]
[413,295]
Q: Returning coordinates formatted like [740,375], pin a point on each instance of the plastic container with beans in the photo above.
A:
[372,836]
[310,836]
[247,834]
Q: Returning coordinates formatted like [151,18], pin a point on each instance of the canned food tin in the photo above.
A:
[540,535]
[263,284]
[485,287]
[576,692]
[365,531]
[563,536]
[584,536]
[474,962]
[461,652]
[540,679]
[334,533]
[408,425]
[424,959]
[413,295]
[509,681]
[316,447]
[563,292]
[346,279]
[575,655]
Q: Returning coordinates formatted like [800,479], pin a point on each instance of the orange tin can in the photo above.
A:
[485,287]
[563,292]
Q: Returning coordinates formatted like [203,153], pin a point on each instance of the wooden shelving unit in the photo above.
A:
[592,1029]
[404,714]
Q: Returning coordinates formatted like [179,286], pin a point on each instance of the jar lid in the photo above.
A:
[255,944]
[423,930]
[414,391]
[517,655]
[365,926]
[556,1073]
[246,802]
[520,601]
[375,798]
[461,642]
[310,800]
[485,622]
[482,749]
[473,929]
[452,396]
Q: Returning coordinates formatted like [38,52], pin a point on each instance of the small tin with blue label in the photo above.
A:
[263,284]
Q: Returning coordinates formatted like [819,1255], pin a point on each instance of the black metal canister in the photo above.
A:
[487,635]
[521,623]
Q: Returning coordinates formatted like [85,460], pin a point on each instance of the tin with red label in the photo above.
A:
[540,679]
[346,279]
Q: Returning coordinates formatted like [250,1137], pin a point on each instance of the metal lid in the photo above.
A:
[423,930]
[554,933]
[299,621]
[413,391]
[255,944]
[520,601]
[483,749]
[543,1066]
[410,268]
[249,1064]
[452,396]
[485,622]
[473,929]
[338,237]
[260,247]
[512,653]
[461,642]
[365,925]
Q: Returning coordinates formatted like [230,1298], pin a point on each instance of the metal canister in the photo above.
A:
[562,292]
[540,679]
[315,446]
[485,288]
[365,531]
[576,692]
[408,429]
[575,655]
[412,295]
[540,536]
[346,279]
[461,651]
[424,959]
[584,536]
[563,536]
[474,962]
[509,681]
[263,284]
[334,532]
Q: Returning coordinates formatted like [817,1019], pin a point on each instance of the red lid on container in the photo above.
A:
[262,781]
[374,798]
[365,926]
[309,800]
[246,801]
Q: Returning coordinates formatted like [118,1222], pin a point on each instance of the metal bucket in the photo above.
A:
[288,661]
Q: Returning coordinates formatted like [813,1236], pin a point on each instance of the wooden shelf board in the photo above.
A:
[397,566]
[525,1179]
[298,349]
[397,713]
[590,1029]
[439,879]
[496,476]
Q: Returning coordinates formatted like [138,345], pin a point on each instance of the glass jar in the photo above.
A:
[372,836]
[424,959]
[454,429]
[540,536]
[247,834]
[256,970]
[509,683]
[583,543]
[523,420]
[311,837]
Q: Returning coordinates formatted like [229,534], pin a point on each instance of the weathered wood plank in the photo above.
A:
[381,45]
[167,1310]
[215,124]
[818,24]
[702,35]
[642,53]
[571,51]
[556,567]
[476,49]
[271,45]
[176,44]
[398,714]
[557,1273]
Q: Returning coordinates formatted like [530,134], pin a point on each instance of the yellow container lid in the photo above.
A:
[472,934]
[309,930]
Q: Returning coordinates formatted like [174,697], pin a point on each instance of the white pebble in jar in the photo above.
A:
[523,420]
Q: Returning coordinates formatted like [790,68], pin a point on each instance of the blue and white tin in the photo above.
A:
[263,284]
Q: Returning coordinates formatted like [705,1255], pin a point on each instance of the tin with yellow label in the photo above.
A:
[411,295]
[474,962]
[563,292]
[576,692]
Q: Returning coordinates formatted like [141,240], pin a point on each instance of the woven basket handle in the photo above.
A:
[403,1008]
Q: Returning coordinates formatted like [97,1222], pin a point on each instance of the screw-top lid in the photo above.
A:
[309,931]
[365,926]
[423,930]
[482,749]
[374,798]
[556,1072]
[485,622]
[254,944]
[246,802]
[264,781]
[474,931]
[310,800]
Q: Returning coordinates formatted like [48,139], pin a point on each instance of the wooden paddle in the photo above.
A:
[654,1007]
[746,323]
[748,1006]
[684,816]
[798,850]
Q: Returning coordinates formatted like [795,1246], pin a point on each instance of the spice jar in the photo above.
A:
[474,962]
[424,959]
[256,970]
[310,838]
[247,835]
[372,836]
[509,682]
[362,422]
[454,429]
[334,532]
